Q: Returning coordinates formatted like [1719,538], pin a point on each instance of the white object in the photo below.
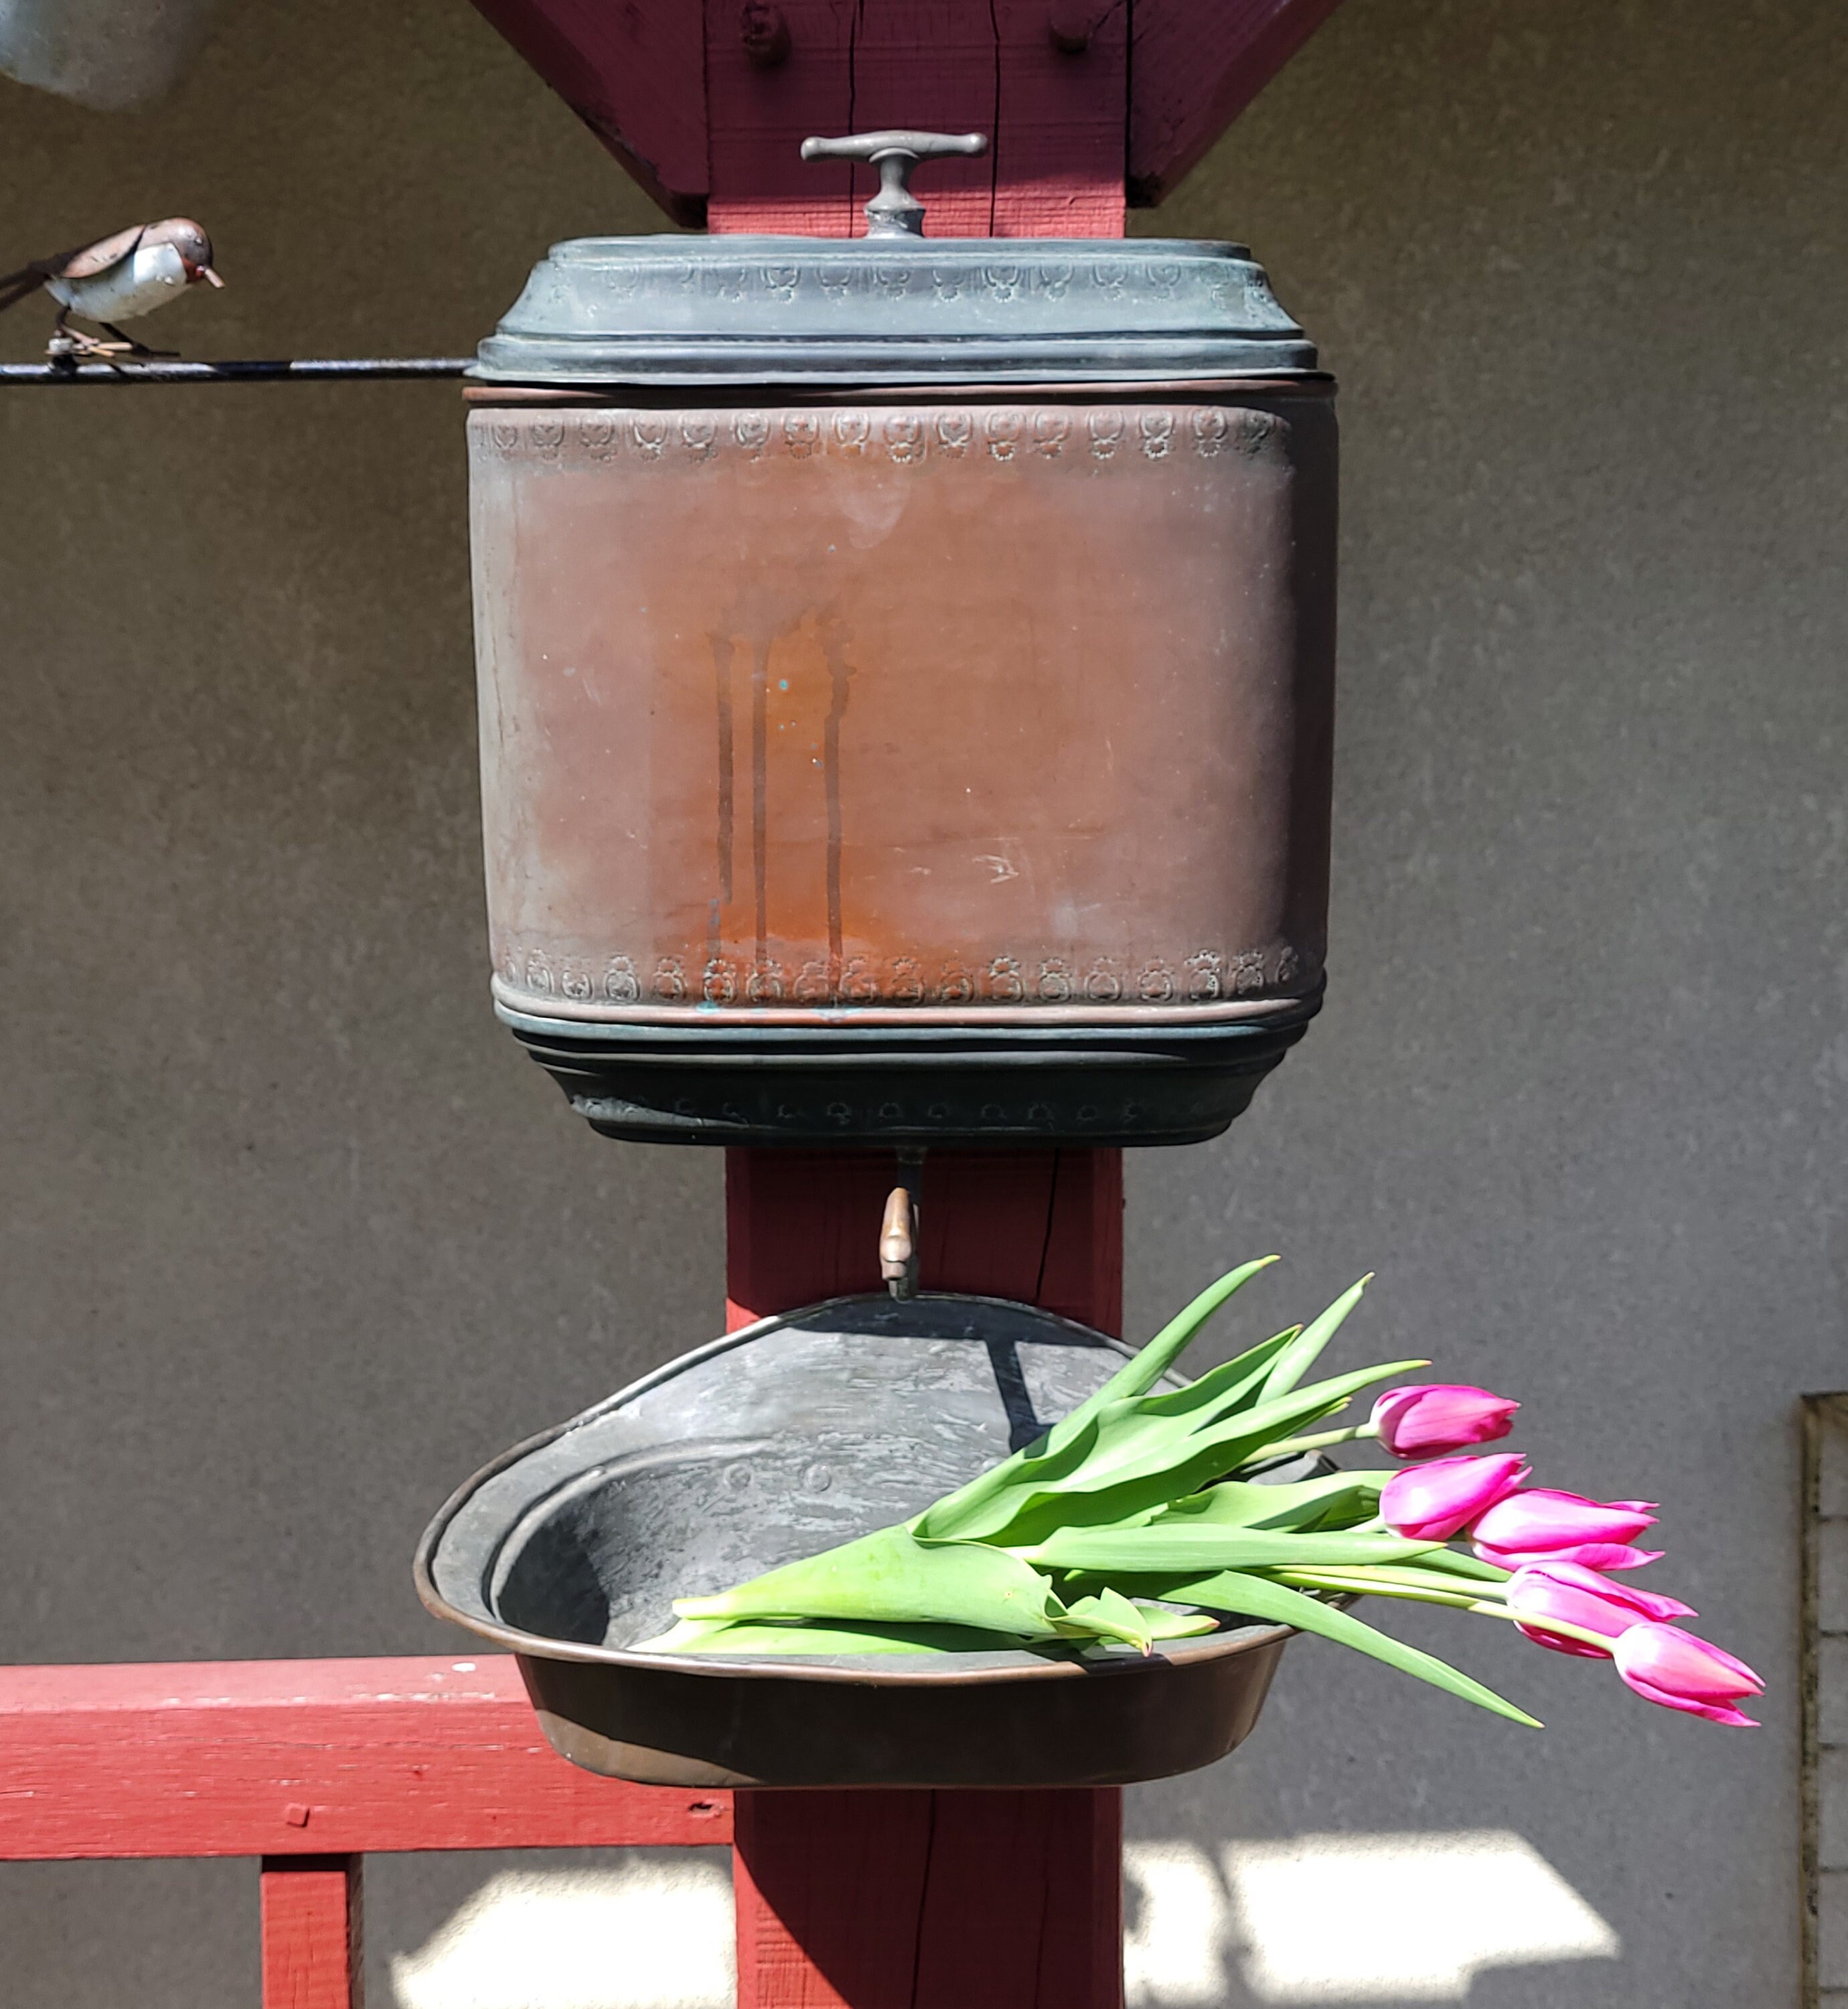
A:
[106,54]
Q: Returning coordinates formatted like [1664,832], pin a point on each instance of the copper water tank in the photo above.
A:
[906,683]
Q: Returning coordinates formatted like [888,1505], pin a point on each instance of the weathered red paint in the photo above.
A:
[635,74]
[1126,97]
[313,1955]
[1197,65]
[277,1758]
[1054,166]
[929,1900]
[1044,1228]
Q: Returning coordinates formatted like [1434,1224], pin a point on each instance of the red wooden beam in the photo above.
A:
[928,1900]
[313,1956]
[634,73]
[1045,1227]
[276,1757]
[1197,65]
[679,92]
[1055,118]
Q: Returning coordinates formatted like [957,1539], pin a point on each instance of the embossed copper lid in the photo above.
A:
[742,310]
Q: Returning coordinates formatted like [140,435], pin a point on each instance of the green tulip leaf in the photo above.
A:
[756,1637]
[1237,1594]
[892,1578]
[965,1511]
[1313,1502]
[1167,1463]
[1221,1390]
[1192,1545]
[1108,1615]
[1296,1361]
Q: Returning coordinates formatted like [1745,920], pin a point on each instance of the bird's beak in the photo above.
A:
[205,272]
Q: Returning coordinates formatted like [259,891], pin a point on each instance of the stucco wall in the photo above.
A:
[291,1237]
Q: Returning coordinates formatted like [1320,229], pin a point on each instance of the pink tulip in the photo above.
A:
[1430,1502]
[1682,1672]
[1582,1597]
[1416,1422]
[1540,1526]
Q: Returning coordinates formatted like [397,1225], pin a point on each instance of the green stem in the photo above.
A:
[1413,1578]
[1292,1447]
[1372,1585]
[1600,1640]
[1309,1579]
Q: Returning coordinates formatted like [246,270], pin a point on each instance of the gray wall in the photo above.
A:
[291,1237]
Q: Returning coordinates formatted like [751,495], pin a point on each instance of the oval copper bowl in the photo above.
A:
[786,1437]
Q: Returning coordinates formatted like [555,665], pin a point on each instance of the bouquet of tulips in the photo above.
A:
[1143,1517]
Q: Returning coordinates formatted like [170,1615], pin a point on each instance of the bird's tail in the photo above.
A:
[15,286]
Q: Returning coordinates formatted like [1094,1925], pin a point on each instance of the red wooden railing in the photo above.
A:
[308,1766]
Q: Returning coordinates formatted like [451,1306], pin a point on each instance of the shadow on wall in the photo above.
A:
[1329,1918]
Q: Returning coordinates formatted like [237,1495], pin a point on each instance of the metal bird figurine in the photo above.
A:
[116,278]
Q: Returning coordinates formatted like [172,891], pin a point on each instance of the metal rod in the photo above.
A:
[309,371]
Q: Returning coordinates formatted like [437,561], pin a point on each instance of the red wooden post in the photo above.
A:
[926,1900]
[929,1900]
[1043,1227]
[1056,119]
[313,1956]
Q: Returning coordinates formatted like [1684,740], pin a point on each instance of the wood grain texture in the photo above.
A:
[1062,116]
[759,119]
[299,1757]
[1197,64]
[313,1955]
[667,86]
[1043,1227]
[635,74]
[1055,120]
[929,1900]
[926,1900]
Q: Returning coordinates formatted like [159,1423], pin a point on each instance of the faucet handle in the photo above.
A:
[895,211]
[898,1244]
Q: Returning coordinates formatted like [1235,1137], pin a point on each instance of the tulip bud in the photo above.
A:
[1582,1597]
[1417,1421]
[1430,1502]
[1681,1672]
[1542,1526]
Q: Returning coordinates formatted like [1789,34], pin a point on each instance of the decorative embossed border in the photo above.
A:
[674,984]
[904,436]
[1238,288]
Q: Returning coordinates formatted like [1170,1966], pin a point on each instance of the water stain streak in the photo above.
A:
[840,674]
[760,794]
